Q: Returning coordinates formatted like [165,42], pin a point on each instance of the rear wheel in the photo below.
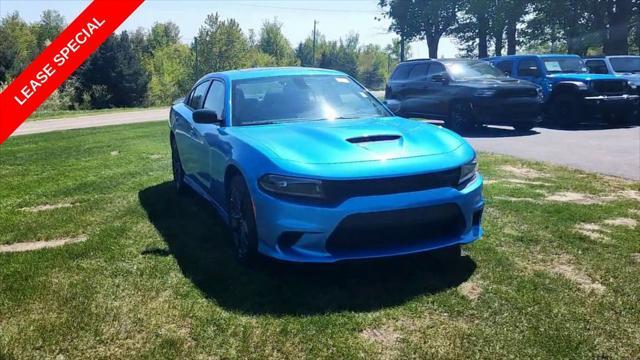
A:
[242,221]
[566,110]
[176,167]
[460,117]
[524,126]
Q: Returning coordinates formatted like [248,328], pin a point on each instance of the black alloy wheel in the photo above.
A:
[242,221]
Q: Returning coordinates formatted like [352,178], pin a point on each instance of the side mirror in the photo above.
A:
[204,116]
[439,78]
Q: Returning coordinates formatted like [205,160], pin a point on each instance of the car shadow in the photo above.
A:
[485,131]
[199,241]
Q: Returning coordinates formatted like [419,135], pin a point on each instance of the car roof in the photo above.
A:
[259,72]
[507,57]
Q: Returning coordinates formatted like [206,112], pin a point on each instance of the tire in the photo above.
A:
[242,221]
[176,167]
[566,110]
[524,126]
[620,118]
[460,117]
[450,254]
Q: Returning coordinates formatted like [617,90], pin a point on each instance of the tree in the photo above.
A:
[18,45]
[372,66]
[272,42]
[163,35]
[619,14]
[114,75]
[220,45]
[405,20]
[341,55]
[171,73]
[304,51]
[48,28]
[437,17]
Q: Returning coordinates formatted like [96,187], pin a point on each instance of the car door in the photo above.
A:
[416,101]
[185,128]
[211,144]
[438,92]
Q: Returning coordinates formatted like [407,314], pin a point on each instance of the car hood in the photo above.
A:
[581,77]
[496,83]
[345,141]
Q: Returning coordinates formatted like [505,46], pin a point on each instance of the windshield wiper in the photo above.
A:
[264,122]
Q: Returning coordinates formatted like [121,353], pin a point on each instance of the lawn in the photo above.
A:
[151,274]
[45,115]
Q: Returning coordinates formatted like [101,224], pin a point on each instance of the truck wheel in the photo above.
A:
[566,110]
[242,221]
[524,126]
[619,118]
[460,117]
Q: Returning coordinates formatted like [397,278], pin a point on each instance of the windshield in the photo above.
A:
[564,65]
[630,64]
[301,98]
[466,70]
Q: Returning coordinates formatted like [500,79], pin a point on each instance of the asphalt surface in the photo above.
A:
[594,147]
[127,117]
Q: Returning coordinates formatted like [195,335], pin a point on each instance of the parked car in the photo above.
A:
[306,165]
[464,93]
[570,92]
[623,66]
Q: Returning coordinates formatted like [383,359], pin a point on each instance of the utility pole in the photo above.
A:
[315,22]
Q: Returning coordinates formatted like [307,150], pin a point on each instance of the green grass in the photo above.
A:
[156,277]
[46,115]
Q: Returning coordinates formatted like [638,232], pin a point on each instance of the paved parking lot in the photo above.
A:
[597,148]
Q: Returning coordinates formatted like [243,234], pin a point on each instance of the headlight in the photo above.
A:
[468,171]
[485,92]
[292,186]
[540,93]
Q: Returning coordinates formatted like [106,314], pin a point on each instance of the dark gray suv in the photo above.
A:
[464,93]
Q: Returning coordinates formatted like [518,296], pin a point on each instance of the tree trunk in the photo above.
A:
[432,44]
[483,25]
[618,32]
[499,43]
[512,40]
[402,47]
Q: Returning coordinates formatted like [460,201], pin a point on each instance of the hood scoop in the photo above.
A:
[373,138]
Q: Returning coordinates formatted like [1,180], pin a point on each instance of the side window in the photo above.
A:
[436,69]
[215,98]
[528,67]
[402,72]
[506,67]
[597,67]
[418,72]
[198,94]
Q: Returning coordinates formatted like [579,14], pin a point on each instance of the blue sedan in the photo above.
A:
[306,165]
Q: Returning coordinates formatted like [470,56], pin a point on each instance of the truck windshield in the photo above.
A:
[627,64]
[564,65]
[467,70]
[297,98]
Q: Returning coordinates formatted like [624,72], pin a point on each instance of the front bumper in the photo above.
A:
[364,227]
[608,104]
[507,111]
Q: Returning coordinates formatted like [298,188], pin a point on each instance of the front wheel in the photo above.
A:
[460,117]
[242,221]
[566,109]
[524,126]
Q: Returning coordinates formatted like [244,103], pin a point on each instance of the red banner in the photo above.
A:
[60,59]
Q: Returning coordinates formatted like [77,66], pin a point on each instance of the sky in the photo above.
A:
[336,18]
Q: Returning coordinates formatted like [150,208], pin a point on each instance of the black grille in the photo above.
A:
[517,92]
[396,229]
[337,191]
[609,87]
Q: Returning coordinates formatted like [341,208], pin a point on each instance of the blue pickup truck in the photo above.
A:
[571,93]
